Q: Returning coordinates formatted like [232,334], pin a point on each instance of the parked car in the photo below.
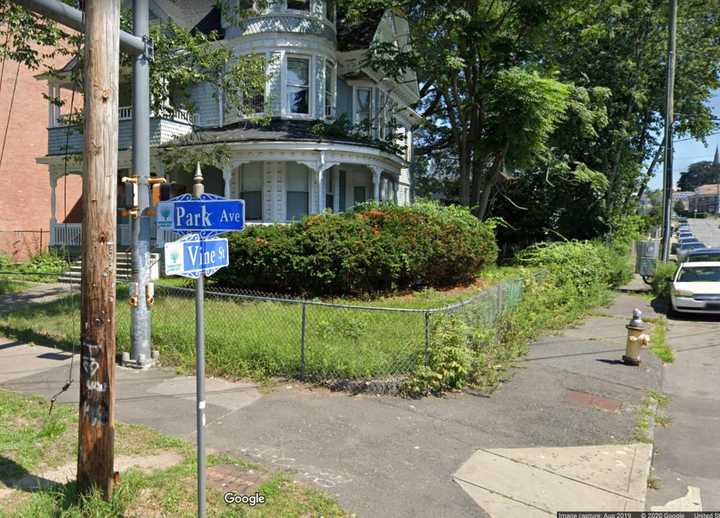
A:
[703,255]
[683,248]
[696,288]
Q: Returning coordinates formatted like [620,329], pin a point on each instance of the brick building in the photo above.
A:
[24,184]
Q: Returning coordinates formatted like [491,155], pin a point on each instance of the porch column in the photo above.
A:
[53,109]
[321,190]
[227,176]
[377,172]
[53,206]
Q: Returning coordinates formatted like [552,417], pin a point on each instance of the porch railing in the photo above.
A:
[67,234]
[125,113]
[70,234]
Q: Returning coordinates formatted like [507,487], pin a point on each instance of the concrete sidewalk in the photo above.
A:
[563,425]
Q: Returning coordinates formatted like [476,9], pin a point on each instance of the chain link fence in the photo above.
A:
[250,334]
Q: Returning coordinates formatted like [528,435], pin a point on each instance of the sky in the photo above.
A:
[689,151]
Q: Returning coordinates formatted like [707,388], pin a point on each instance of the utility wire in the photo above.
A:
[76,85]
[7,125]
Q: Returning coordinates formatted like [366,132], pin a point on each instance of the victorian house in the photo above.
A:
[282,169]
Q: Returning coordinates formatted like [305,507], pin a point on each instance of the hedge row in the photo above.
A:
[371,249]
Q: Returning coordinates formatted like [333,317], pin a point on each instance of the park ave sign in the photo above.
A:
[208,215]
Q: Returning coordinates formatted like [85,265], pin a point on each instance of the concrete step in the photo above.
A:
[123,268]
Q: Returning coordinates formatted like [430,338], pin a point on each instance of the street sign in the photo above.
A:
[209,215]
[192,256]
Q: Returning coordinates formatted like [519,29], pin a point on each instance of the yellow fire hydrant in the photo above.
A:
[636,339]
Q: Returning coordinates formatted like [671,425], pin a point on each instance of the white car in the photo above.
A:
[696,288]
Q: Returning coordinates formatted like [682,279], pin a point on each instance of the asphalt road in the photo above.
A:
[706,230]
[687,451]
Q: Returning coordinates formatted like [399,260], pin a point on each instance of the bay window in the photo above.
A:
[298,85]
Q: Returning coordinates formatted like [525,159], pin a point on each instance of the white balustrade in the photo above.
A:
[125,113]
[66,234]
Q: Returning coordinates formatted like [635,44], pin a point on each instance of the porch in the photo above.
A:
[277,187]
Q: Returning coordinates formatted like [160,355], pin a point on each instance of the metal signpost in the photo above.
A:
[197,255]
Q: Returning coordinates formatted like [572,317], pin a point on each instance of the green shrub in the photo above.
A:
[449,358]
[45,262]
[662,279]
[371,249]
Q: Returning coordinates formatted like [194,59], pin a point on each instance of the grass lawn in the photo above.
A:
[8,287]
[262,338]
[31,442]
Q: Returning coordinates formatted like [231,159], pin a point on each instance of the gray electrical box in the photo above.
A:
[647,257]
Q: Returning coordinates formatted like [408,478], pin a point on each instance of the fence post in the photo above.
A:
[427,338]
[302,341]
[499,301]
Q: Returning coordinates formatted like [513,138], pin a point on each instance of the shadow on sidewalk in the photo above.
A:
[14,476]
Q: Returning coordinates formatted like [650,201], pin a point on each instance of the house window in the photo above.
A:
[298,85]
[329,90]
[298,5]
[329,191]
[297,204]
[330,10]
[251,185]
[382,115]
[359,194]
[362,107]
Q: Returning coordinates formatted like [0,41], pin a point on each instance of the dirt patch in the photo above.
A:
[229,477]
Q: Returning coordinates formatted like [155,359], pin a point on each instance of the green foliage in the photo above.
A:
[524,109]
[449,357]
[343,128]
[45,262]
[662,279]
[371,249]
[583,267]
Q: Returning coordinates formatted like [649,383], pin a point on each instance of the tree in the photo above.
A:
[699,173]
[483,93]
[621,45]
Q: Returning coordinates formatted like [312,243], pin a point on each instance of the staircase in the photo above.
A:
[123,268]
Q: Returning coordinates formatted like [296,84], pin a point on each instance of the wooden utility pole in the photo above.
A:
[669,119]
[97,372]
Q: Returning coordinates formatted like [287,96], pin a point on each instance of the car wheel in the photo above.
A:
[672,312]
